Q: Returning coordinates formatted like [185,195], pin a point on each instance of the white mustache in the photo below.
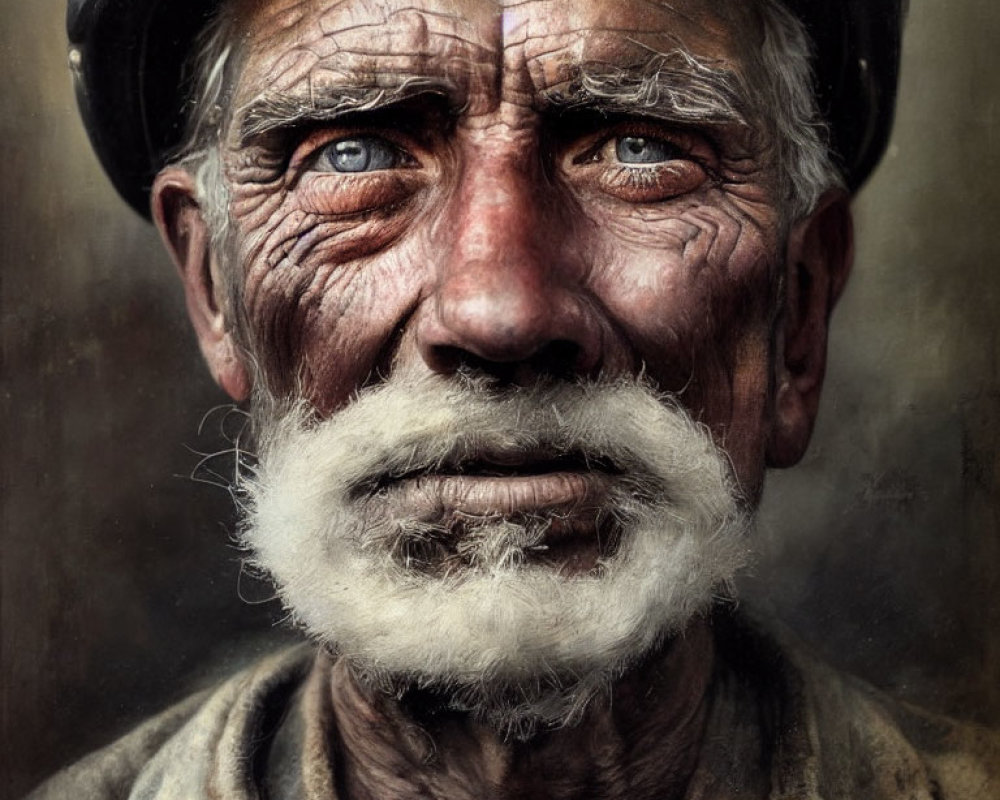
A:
[414,425]
[479,632]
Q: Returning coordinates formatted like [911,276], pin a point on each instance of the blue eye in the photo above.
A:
[359,154]
[639,150]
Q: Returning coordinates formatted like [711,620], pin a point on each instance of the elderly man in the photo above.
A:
[524,298]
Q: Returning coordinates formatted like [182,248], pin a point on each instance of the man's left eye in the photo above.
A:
[642,150]
[637,168]
[358,154]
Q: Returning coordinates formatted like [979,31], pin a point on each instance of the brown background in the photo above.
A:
[119,580]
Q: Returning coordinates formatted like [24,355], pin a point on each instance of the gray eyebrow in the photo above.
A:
[674,86]
[276,110]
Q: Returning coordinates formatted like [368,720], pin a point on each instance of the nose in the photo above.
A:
[508,299]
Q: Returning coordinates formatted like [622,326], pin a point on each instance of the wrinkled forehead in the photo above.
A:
[478,46]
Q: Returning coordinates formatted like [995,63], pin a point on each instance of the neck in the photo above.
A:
[639,741]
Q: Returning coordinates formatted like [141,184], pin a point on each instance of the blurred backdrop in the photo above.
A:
[121,589]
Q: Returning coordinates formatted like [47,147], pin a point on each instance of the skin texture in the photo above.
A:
[505,237]
[619,750]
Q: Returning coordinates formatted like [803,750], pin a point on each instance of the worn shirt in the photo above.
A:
[782,725]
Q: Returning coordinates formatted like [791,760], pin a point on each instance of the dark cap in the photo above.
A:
[128,58]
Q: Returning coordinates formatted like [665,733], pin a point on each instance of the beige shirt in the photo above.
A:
[782,725]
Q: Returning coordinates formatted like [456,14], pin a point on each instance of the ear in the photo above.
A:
[818,261]
[186,235]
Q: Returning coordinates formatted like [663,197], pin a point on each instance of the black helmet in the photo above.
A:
[128,56]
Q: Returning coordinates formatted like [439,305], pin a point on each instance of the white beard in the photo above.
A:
[517,643]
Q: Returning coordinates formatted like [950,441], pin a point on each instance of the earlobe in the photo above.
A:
[186,235]
[819,255]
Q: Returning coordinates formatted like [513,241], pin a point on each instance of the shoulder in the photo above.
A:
[199,743]
[856,741]
[873,745]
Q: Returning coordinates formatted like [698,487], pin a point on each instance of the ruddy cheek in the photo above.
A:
[352,323]
[296,240]
[329,301]
[683,286]
[291,312]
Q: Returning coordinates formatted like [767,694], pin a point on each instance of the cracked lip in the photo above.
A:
[504,495]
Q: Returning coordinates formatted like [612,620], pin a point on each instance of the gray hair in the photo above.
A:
[779,86]
[212,72]
[801,134]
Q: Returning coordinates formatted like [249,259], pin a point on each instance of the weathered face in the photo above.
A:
[559,197]
[523,190]
[462,183]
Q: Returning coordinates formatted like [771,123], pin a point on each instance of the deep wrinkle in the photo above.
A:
[470,172]
[510,248]
[278,111]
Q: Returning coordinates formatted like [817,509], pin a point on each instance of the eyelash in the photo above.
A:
[682,143]
[637,172]
[688,162]
[310,146]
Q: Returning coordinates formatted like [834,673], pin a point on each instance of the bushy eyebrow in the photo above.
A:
[674,86]
[278,110]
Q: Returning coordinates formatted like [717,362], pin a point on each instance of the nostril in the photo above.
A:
[558,359]
[448,360]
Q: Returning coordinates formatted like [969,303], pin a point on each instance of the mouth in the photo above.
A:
[503,509]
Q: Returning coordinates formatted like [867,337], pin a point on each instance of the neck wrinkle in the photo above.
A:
[641,742]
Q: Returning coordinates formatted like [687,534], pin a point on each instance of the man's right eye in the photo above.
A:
[359,154]
[350,172]
[645,150]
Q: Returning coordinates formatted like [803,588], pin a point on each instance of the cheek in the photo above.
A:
[746,433]
[694,294]
[697,277]
[350,328]
[324,293]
